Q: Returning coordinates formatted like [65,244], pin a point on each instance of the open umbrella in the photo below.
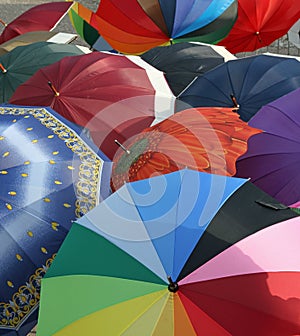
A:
[41,17]
[204,139]
[184,61]
[259,23]
[50,175]
[115,96]
[187,253]
[133,27]
[81,18]
[22,62]
[245,84]
[36,36]
[273,157]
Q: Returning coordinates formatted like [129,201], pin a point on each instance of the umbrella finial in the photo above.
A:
[258,36]
[235,103]
[53,89]
[173,286]
[2,68]
[4,23]
[123,147]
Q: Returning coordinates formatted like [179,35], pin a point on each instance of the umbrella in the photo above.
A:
[81,18]
[182,62]
[22,62]
[245,84]
[35,36]
[260,23]
[204,139]
[133,27]
[114,96]
[51,174]
[41,17]
[294,34]
[273,157]
[187,253]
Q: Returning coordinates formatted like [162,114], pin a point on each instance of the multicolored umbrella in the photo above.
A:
[114,96]
[245,84]
[273,157]
[22,62]
[259,23]
[41,17]
[184,61]
[204,139]
[80,17]
[50,175]
[133,27]
[187,253]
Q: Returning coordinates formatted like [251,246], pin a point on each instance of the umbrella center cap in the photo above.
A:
[173,286]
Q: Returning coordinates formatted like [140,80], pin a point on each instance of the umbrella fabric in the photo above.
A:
[24,39]
[50,175]
[259,23]
[204,139]
[22,62]
[155,258]
[133,27]
[294,34]
[41,17]
[80,17]
[184,61]
[245,84]
[272,159]
[115,96]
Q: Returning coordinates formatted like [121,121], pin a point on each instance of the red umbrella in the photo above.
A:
[115,96]
[260,23]
[205,139]
[41,17]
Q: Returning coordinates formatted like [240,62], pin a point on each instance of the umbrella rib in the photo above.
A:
[146,309]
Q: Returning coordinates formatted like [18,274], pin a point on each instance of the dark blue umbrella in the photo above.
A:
[50,175]
[245,84]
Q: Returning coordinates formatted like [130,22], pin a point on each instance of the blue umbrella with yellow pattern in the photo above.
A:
[50,175]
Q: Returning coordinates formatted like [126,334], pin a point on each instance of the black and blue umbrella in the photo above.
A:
[50,175]
[246,84]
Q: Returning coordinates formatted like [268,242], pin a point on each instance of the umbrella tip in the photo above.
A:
[56,93]
[4,23]
[173,286]
[123,147]
[2,68]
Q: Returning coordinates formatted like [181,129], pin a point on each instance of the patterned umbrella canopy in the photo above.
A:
[50,175]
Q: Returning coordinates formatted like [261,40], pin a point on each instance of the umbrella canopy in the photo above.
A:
[184,61]
[156,259]
[245,84]
[41,17]
[294,34]
[36,36]
[22,62]
[272,159]
[24,39]
[260,23]
[50,175]
[204,139]
[114,96]
[133,27]
[80,17]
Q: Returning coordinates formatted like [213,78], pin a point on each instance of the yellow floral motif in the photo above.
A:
[23,301]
